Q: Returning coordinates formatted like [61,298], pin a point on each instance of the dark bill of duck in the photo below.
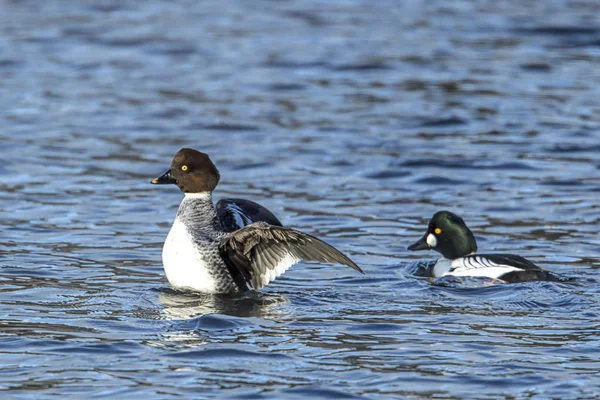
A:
[164,179]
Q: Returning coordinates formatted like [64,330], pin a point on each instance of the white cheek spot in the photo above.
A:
[431,240]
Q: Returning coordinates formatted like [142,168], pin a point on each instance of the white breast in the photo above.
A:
[471,266]
[183,263]
[442,266]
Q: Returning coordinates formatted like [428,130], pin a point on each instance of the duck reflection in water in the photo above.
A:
[180,305]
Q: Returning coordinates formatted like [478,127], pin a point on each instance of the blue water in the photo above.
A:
[351,120]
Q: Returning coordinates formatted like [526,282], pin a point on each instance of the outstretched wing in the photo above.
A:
[259,253]
[235,214]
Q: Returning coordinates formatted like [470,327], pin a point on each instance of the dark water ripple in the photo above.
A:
[354,121]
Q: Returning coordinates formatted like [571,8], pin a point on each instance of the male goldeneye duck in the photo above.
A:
[238,244]
[448,234]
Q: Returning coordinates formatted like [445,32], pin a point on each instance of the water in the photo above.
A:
[351,120]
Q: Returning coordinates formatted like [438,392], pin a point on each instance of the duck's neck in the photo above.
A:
[197,211]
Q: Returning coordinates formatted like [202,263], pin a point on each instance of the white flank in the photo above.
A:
[431,240]
[471,266]
[283,265]
[488,272]
[184,266]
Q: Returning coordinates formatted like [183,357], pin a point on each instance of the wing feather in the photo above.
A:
[260,252]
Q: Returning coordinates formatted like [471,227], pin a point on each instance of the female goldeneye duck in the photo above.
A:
[239,243]
[448,234]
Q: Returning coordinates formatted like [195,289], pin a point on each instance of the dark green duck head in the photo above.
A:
[448,234]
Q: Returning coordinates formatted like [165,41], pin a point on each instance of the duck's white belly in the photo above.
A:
[184,265]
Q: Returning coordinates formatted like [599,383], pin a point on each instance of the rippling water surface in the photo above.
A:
[351,120]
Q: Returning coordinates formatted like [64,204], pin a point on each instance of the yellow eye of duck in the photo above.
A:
[437,231]
[184,167]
